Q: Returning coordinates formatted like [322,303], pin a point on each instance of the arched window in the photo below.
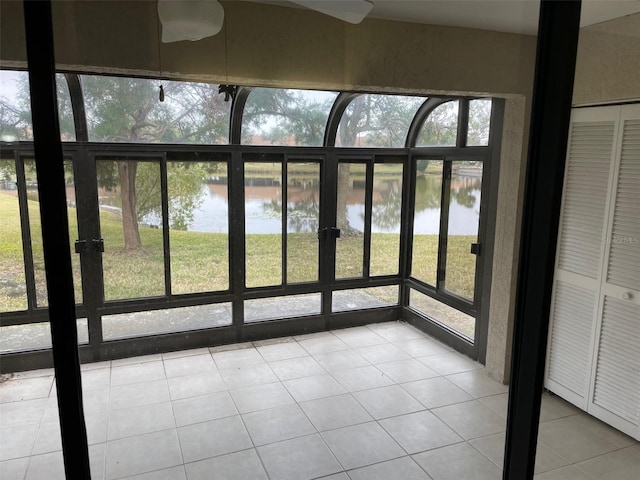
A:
[373,120]
[123,109]
[276,116]
[440,129]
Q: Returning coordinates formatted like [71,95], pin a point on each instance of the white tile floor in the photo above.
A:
[377,402]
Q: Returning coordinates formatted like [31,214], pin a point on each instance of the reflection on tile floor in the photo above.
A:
[377,402]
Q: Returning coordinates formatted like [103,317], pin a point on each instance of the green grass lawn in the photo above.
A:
[200,263]
[12,276]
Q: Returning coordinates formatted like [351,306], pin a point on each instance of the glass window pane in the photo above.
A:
[15,106]
[350,219]
[35,336]
[464,217]
[198,226]
[442,313]
[373,120]
[65,112]
[72,215]
[303,219]
[13,289]
[385,219]
[275,116]
[155,322]
[263,223]
[35,227]
[426,220]
[33,207]
[131,226]
[440,129]
[121,109]
[362,298]
[479,122]
[276,308]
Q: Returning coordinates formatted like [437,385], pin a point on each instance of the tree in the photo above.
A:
[371,120]
[377,121]
[386,215]
[128,110]
[286,117]
[15,120]
[441,126]
[479,121]
[290,117]
[123,109]
[463,192]
[428,192]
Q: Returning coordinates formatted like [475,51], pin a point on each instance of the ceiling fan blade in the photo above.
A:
[352,11]
[189,19]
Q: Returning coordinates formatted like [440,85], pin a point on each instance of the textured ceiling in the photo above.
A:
[514,16]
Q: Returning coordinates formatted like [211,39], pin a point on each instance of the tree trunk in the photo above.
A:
[342,221]
[127,174]
[344,186]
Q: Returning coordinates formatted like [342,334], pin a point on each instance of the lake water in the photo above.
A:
[263,207]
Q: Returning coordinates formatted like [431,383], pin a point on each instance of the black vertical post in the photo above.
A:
[57,256]
[443,234]
[237,250]
[553,87]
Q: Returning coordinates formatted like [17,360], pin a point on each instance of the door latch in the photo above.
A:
[97,244]
[331,232]
[475,249]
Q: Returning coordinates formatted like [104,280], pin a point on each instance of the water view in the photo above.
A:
[263,215]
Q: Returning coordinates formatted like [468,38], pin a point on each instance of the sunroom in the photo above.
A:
[295,245]
[243,213]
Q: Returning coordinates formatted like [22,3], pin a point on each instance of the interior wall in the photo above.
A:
[507,238]
[269,45]
[276,46]
[608,63]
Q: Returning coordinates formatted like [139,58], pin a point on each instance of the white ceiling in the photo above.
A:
[514,16]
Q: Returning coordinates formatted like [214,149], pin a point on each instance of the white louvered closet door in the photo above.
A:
[579,259]
[615,388]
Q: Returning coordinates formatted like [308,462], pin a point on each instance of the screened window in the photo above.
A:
[377,121]
[440,129]
[121,109]
[65,112]
[15,107]
[274,116]
[479,122]
[13,297]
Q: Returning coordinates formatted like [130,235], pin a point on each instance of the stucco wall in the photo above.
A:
[269,45]
[608,64]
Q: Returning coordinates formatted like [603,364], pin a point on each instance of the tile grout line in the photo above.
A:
[173,414]
[330,374]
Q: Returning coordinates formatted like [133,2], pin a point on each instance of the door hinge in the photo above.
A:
[80,246]
[97,244]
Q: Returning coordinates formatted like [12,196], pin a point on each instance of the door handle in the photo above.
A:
[475,249]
